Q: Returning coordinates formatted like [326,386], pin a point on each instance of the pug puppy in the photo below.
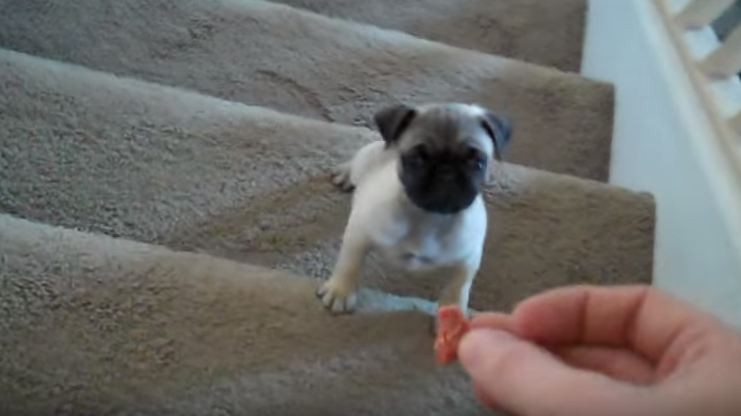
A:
[417,197]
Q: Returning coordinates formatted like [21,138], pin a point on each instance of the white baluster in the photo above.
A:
[700,13]
[726,60]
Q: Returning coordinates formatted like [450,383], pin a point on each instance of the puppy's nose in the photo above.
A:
[446,171]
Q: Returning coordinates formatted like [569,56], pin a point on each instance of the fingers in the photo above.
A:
[483,397]
[526,380]
[492,320]
[636,316]
[617,363]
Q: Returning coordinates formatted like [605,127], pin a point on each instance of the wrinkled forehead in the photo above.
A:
[446,128]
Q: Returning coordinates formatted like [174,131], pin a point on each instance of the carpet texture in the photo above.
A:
[166,211]
[271,55]
[545,32]
[202,174]
[94,326]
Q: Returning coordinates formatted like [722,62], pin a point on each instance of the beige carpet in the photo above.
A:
[545,32]
[267,54]
[191,172]
[165,211]
[96,326]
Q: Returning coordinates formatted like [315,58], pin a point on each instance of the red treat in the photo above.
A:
[451,326]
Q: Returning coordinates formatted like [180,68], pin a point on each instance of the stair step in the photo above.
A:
[272,55]
[549,33]
[95,325]
[84,149]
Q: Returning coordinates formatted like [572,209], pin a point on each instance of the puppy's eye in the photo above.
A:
[475,159]
[421,151]
[480,164]
[418,155]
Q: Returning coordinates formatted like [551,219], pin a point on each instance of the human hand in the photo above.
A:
[629,350]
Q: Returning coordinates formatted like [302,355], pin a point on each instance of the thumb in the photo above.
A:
[527,380]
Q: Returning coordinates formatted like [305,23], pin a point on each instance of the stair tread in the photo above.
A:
[95,325]
[512,28]
[89,150]
[295,61]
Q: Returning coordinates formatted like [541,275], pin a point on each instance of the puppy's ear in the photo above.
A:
[392,121]
[500,130]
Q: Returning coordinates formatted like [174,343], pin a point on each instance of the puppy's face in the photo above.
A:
[444,150]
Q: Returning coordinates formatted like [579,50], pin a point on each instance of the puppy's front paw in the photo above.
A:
[341,177]
[337,297]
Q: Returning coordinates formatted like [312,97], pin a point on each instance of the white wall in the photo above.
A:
[663,144]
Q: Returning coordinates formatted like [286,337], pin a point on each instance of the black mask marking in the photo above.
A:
[444,182]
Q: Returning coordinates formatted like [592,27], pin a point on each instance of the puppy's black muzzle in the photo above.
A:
[442,189]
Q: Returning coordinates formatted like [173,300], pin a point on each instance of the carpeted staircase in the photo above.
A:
[165,209]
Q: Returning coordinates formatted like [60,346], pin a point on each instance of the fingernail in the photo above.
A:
[478,343]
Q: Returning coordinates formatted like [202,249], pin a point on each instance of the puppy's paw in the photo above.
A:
[337,297]
[341,177]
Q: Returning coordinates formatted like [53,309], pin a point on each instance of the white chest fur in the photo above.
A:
[409,236]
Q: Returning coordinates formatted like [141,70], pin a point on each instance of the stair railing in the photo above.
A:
[713,64]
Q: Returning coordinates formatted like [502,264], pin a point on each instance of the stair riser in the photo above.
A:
[271,55]
[509,28]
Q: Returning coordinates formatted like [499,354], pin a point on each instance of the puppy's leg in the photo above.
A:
[341,177]
[338,293]
[458,289]
[348,175]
